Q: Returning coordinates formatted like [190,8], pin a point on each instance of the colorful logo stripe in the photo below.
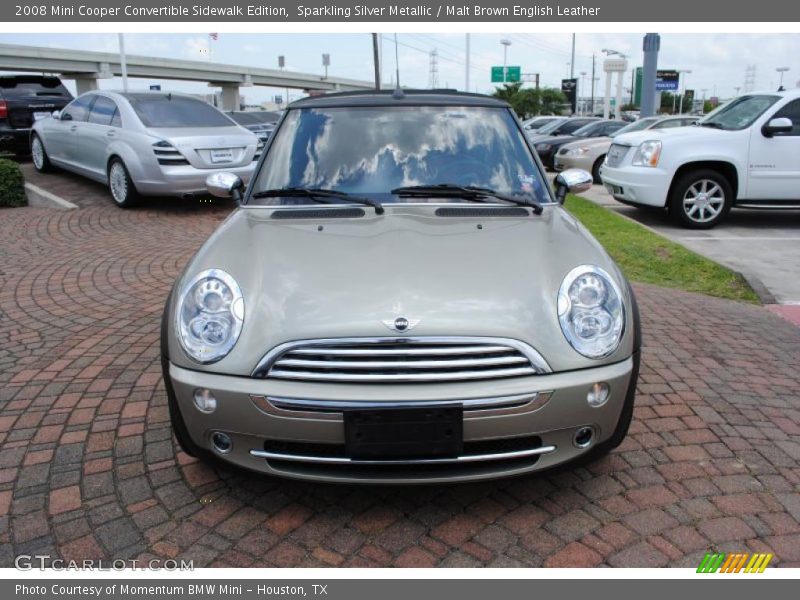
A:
[734,563]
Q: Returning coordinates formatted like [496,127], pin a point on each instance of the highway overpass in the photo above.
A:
[86,67]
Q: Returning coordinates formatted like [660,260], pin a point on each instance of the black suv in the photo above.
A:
[23,99]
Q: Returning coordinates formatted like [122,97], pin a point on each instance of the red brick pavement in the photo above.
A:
[88,467]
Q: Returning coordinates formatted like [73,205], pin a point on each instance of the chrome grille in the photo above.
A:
[379,360]
[616,153]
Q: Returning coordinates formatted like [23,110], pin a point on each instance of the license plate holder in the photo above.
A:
[223,155]
[406,433]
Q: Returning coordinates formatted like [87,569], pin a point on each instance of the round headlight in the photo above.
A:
[590,311]
[210,316]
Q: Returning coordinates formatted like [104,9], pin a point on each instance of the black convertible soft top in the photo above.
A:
[399,98]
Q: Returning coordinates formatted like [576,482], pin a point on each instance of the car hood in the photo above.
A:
[557,140]
[591,143]
[675,133]
[459,276]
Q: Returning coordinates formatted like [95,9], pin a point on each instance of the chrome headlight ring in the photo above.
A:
[591,311]
[209,316]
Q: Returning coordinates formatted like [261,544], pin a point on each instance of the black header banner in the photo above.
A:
[377,11]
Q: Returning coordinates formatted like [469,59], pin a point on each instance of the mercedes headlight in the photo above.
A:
[542,147]
[647,154]
[590,311]
[210,316]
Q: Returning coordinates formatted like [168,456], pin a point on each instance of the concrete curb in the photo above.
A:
[39,198]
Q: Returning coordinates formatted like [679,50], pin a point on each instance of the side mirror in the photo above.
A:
[573,181]
[225,185]
[56,114]
[779,125]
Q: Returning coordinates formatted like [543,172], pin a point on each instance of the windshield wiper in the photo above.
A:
[467,192]
[711,124]
[320,195]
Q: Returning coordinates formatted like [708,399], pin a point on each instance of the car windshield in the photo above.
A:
[166,110]
[371,150]
[739,113]
[550,127]
[589,129]
[637,125]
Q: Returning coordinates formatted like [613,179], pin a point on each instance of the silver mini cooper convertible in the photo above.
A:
[400,298]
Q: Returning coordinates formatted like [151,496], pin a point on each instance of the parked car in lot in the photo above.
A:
[567,126]
[533,125]
[23,100]
[364,316]
[148,143]
[547,147]
[589,154]
[744,154]
[260,122]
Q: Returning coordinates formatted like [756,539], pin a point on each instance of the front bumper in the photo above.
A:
[567,161]
[637,185]
[277,426]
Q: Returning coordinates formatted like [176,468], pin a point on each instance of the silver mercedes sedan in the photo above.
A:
[144,143]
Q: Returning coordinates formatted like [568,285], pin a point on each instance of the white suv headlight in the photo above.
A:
[210,316]
[647,154]
[590,311]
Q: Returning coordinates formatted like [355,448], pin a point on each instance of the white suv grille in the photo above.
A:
[616,153]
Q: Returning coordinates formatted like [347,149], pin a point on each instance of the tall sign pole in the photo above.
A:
[651,45]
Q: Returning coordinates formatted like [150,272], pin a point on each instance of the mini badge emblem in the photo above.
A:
[401,324]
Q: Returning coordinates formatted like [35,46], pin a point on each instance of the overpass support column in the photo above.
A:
[230,96]
[85,84]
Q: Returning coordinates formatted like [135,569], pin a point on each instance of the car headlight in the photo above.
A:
[647,154]
[590,311]
[542,147]
[210,316]
[576,151]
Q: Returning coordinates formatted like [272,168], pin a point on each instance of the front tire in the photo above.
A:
[596,169]
[41,162]
[700,199]
[122,189]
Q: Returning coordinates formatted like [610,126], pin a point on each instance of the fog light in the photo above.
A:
[204,400]
[598,395]
[222,442]
[583,437]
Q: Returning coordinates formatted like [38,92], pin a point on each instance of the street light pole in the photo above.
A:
[682,87]
[122,62]
[506,43]
[781,70]
[466,63]
[376,61]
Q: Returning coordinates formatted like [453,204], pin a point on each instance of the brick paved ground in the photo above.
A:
[88,468]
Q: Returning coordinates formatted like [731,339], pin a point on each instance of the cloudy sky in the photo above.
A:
[717,61]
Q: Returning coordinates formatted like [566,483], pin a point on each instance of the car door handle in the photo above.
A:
[73,128]
[110,133]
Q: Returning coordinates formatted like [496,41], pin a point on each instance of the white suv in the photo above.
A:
[745,154]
